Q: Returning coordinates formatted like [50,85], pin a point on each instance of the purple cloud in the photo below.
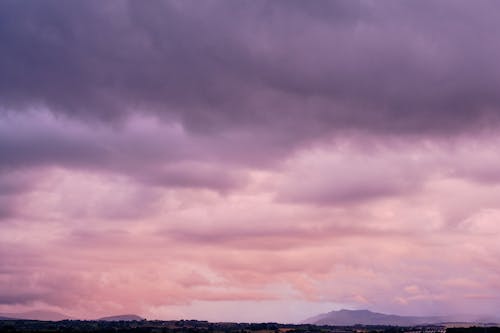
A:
[309,68]
[180,152]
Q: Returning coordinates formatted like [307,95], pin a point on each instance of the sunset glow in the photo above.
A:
[249,160]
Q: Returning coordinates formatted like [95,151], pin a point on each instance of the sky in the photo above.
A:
[249,160]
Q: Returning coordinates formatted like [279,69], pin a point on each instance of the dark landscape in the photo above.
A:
[342,321]
[194,326]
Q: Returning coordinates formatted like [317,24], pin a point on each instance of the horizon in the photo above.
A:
[249,161]
[449,319]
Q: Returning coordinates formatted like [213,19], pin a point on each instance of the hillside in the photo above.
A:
[366,317]
[127,317]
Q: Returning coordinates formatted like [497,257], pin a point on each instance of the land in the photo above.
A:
[195,326]
[342,321]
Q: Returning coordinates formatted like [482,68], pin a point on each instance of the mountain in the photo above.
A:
[366,317]
[127,317]
[36,315]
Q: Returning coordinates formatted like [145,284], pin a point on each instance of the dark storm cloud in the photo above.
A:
[298,69]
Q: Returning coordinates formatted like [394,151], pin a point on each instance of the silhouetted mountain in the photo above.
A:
[127,317]
[365,317]
[36,315]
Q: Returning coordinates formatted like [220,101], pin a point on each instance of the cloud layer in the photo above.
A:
[172,157]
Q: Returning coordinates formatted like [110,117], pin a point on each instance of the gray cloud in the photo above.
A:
[247,83]
[314,68]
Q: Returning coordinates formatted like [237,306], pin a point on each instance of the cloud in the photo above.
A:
[158,156]
[141,149]
[340,177]
[300,71]
[12,185]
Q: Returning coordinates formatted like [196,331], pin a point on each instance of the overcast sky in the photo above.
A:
[249,160]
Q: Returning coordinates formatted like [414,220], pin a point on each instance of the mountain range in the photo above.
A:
[35,315]
[127,317]
[56,316]
[338,318]
[366,317]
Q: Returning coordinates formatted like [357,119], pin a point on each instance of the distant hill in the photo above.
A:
[366,317]
[127,317]
[36,315]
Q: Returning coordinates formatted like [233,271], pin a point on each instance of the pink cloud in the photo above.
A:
[246,157]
